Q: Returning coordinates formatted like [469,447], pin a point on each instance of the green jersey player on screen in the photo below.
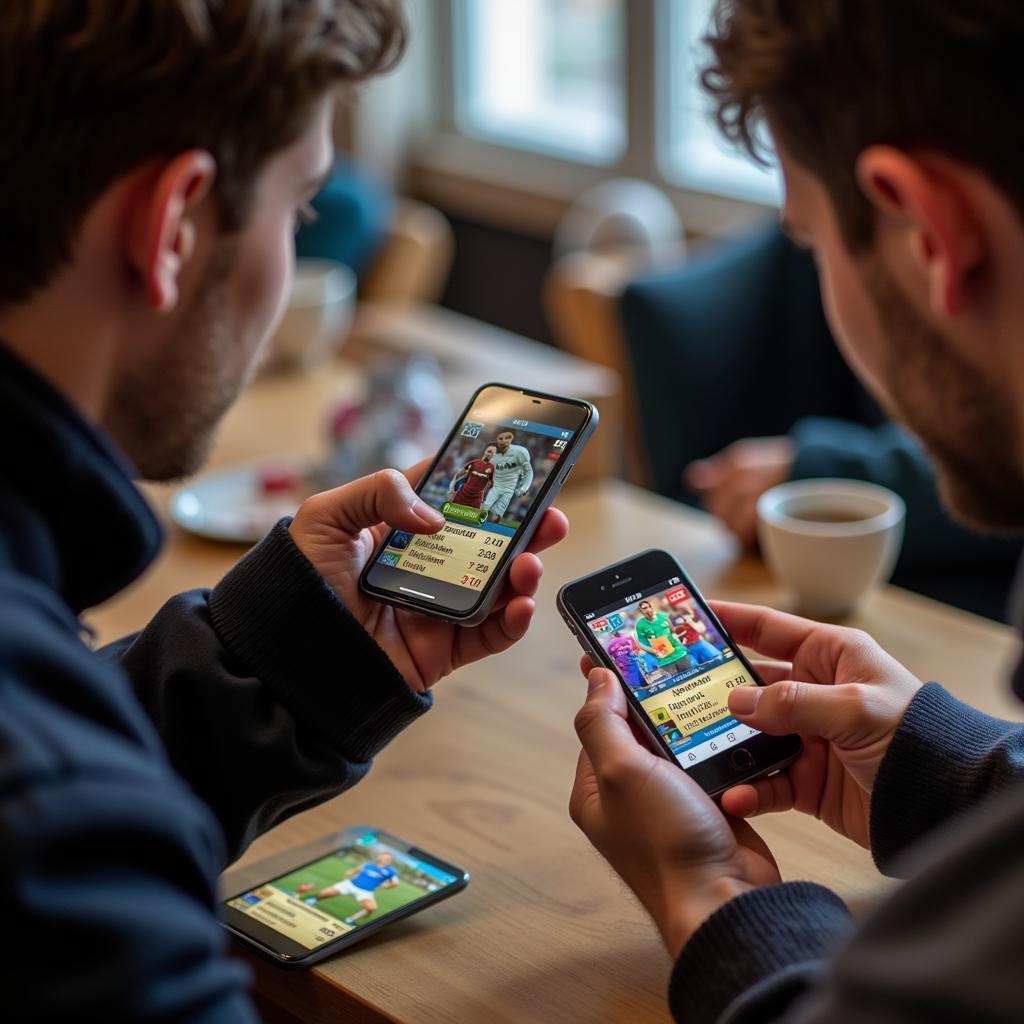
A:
[513,475]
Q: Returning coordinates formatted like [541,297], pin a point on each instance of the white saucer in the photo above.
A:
[230,505]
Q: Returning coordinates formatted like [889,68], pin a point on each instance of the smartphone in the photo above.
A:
[645,620]
[499,469]
[302,906]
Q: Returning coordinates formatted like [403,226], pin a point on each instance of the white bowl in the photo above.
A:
[830,565]
[318,317]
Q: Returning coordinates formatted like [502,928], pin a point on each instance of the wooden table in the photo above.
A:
[545,931]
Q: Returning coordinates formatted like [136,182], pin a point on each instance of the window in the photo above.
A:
[549,97]
[543,74]
[696,155]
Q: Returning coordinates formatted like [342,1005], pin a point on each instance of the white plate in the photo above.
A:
[230,505]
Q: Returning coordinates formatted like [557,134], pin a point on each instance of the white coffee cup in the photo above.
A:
[830,541]
[318,316]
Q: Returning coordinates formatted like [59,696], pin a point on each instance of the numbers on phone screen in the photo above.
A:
[494,542]
[489,555]
[736,681]
[472,581]
[481,567]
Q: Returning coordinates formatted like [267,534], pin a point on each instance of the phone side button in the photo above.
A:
[741,760]
[565,475]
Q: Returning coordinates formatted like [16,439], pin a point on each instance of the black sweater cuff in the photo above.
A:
[943,759]
[278,615]
[764,935]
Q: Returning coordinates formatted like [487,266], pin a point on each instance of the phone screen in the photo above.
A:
[667,649]
[486,482]
[349,888]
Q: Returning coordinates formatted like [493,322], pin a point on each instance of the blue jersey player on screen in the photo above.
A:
[360,883]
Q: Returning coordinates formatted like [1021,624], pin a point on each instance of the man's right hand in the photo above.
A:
[840,691]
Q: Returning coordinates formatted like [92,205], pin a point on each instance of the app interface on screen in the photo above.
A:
[483,485]
[678,666]
[343,891]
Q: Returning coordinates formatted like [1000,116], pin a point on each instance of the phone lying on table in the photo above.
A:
[645,620]
[498,471]
[306,904]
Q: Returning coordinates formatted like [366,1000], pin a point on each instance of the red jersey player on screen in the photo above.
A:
[476,477]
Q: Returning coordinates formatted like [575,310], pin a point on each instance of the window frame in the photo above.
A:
[469,173]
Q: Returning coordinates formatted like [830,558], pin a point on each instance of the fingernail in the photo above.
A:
[429,515]
[743,700]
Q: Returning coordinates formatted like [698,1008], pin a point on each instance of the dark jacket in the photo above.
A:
[131,776]
[947,812]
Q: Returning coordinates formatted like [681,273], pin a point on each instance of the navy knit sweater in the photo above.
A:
[131,776]
[947,813]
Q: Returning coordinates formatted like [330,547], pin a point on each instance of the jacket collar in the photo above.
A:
[70,514]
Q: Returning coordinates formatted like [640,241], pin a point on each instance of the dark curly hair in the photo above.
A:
[832,77]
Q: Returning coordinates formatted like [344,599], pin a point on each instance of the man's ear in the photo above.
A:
[925,199]
[162,231]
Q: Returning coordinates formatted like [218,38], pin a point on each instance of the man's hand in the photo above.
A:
[730,482]
[841,692]
[660,831]
[339,530]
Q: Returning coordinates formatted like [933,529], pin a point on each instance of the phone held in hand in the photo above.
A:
[308,903]
[645,620]
[500,468]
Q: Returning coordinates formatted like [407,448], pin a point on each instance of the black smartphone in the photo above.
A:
[499,469]
[645,620]
[306,904]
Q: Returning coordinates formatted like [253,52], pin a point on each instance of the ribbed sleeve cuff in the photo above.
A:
[276,614]
[762,934]
[934,768]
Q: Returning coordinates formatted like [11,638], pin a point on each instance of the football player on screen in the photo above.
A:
[513,475]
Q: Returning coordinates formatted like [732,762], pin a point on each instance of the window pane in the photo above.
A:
[698,156]
[543,74]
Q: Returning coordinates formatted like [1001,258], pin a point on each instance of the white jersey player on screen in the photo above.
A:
[513,475]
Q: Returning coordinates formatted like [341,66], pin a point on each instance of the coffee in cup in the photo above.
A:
[830,541]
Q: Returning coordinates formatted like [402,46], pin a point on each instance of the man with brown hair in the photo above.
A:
[893,123]
[156,156]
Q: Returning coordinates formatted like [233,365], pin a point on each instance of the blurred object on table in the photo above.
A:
[403,418]
[317,319]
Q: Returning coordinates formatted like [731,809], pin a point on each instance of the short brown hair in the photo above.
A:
[836,76]
[90,89]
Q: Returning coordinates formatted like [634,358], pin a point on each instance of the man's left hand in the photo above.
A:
[339,530]
[681,856]
[730,482]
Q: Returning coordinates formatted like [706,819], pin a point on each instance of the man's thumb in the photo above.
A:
[788,706]
[383,497]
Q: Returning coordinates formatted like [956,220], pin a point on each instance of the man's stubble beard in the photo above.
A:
[165,413]
[968,427]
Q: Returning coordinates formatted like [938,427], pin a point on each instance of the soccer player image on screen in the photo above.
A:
[692,631]
[513,475]
[360,883]
[654,634]
[626,654]
[474,480]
